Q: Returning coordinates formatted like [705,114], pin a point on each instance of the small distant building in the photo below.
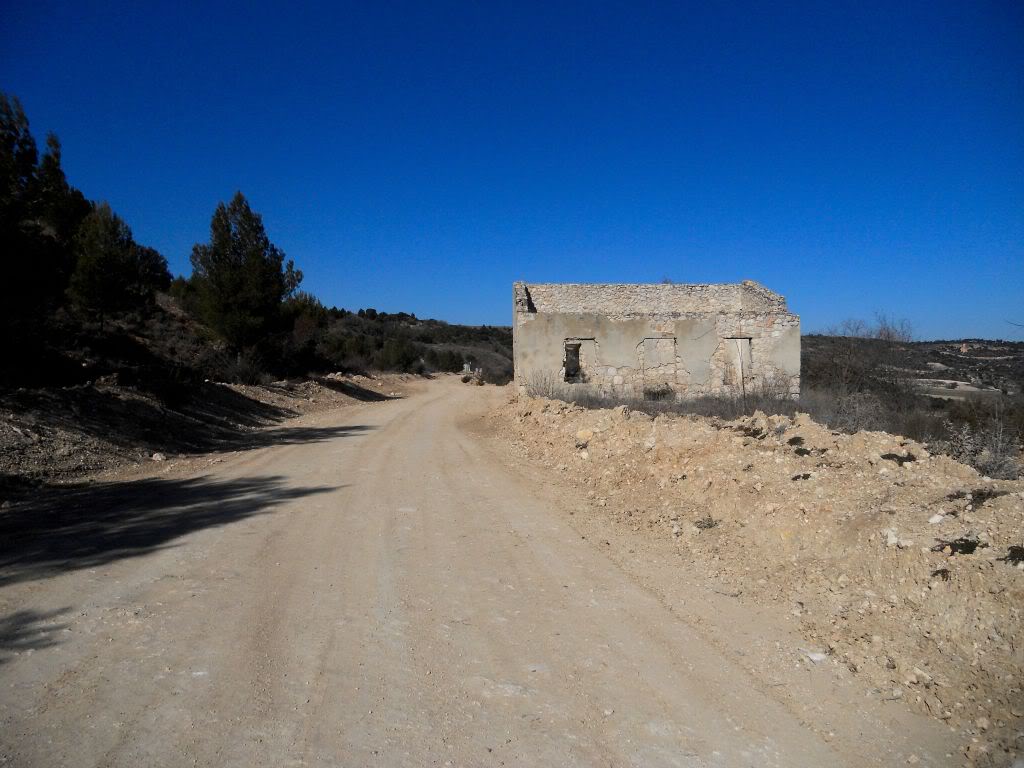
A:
[655,340]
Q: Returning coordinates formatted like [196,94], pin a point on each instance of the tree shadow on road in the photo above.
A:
[15,486]
[296,435]
[66,528]
[353,390]
[29,630]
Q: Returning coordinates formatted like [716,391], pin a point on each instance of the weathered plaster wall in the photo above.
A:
[694,321]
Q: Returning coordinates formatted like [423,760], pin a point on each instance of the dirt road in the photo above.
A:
[379,587]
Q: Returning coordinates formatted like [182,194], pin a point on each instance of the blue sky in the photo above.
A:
[857,157]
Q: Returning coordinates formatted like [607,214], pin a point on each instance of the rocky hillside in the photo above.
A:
[905,569]
[943,368]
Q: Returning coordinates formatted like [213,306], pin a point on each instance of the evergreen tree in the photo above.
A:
[151,273]
[39,214]
[18,159]
[60,207]
[113,273]
[240,276]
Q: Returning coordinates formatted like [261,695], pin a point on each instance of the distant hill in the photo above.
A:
[964,397]
[946,368]
[368,339]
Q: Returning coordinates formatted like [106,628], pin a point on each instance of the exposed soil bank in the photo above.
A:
[903,568]
[63,433]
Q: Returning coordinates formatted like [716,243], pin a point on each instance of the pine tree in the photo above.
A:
[103,255]
[59,206]
[18,159]
[113,273]
[39,215]
[240,276]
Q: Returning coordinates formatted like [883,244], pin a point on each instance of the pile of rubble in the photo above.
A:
[907,568]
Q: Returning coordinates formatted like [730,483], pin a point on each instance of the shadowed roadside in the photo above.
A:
[84,525]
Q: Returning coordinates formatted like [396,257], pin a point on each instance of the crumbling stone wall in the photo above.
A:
[631,300]
[657,340]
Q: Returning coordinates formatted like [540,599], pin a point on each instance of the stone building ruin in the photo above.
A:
[654,341]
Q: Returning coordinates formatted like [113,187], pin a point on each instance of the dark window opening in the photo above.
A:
[572,362]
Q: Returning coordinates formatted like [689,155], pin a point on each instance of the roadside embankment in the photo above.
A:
[64,433]
[905,568]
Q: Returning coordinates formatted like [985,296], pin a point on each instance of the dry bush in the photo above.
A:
[658,392]
[245,367]
[992,448]
[546,384]
[855,412]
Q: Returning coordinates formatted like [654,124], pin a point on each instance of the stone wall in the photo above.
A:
[663,299]
[676,340]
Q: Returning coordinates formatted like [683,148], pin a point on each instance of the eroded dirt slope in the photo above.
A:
[62,433]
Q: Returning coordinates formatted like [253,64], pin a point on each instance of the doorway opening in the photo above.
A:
[571,362]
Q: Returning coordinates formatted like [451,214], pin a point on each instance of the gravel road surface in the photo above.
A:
[375,587]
